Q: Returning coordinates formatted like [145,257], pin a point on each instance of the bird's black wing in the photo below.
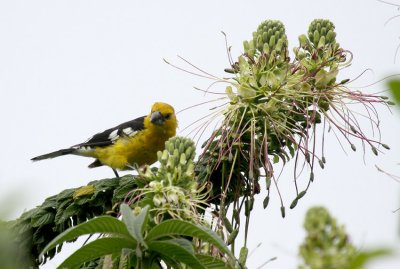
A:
[109,136]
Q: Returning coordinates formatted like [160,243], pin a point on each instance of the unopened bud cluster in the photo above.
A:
[270,37]
[276,104]
[327,244]
[172,186]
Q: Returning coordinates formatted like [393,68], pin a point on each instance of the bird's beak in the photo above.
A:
[157,118]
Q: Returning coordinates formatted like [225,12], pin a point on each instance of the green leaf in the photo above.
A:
[364,257]
[394,86]
[42,217]
[104,224]
[184,228]
[135,224]
[186,244]
[211,262]
[173,250]
[96,249]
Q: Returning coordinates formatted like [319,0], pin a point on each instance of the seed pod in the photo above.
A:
[244,251]
[294,203]
[232,237]
[283,211]
[266,202]
[236,215]
[321,164]
[385,146]
[248,206]
[301,194]
[227,224]
[374,150]
[353,147]
[268,182]
[344,81]
[312,176]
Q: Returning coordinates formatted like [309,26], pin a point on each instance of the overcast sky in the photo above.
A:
[69,69]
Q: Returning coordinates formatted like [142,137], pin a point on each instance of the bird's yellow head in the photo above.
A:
[163,115]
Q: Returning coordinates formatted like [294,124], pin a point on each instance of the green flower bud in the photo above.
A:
[164,157]
[272,41]
[321,42]
[159,155]
[266,48]
[323,31]
[246,46]
[169,146]
[183,160]
[190,170]
[316,37]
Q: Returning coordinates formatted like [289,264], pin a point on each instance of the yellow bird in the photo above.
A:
[128,145]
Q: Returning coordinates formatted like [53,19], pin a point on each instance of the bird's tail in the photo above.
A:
[54,154]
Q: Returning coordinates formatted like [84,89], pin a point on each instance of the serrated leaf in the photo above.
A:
[175,251]
[41,218]
[65,194]
[96,249]
[184,228]
[104,224]
[50,202]
[71,210]
[135,224]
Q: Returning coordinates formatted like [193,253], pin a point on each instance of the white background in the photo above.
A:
[69,69]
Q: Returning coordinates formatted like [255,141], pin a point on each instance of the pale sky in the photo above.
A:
[69,69]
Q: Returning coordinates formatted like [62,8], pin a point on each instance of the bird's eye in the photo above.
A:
[167,116]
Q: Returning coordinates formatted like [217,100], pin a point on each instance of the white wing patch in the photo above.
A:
[129,131]
[113,135]
[84,150]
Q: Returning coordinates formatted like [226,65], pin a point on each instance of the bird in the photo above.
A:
[129,145]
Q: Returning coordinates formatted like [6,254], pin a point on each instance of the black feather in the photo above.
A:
[53,154]
[103,139]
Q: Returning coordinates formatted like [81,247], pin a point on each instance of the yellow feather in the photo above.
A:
[141,148]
